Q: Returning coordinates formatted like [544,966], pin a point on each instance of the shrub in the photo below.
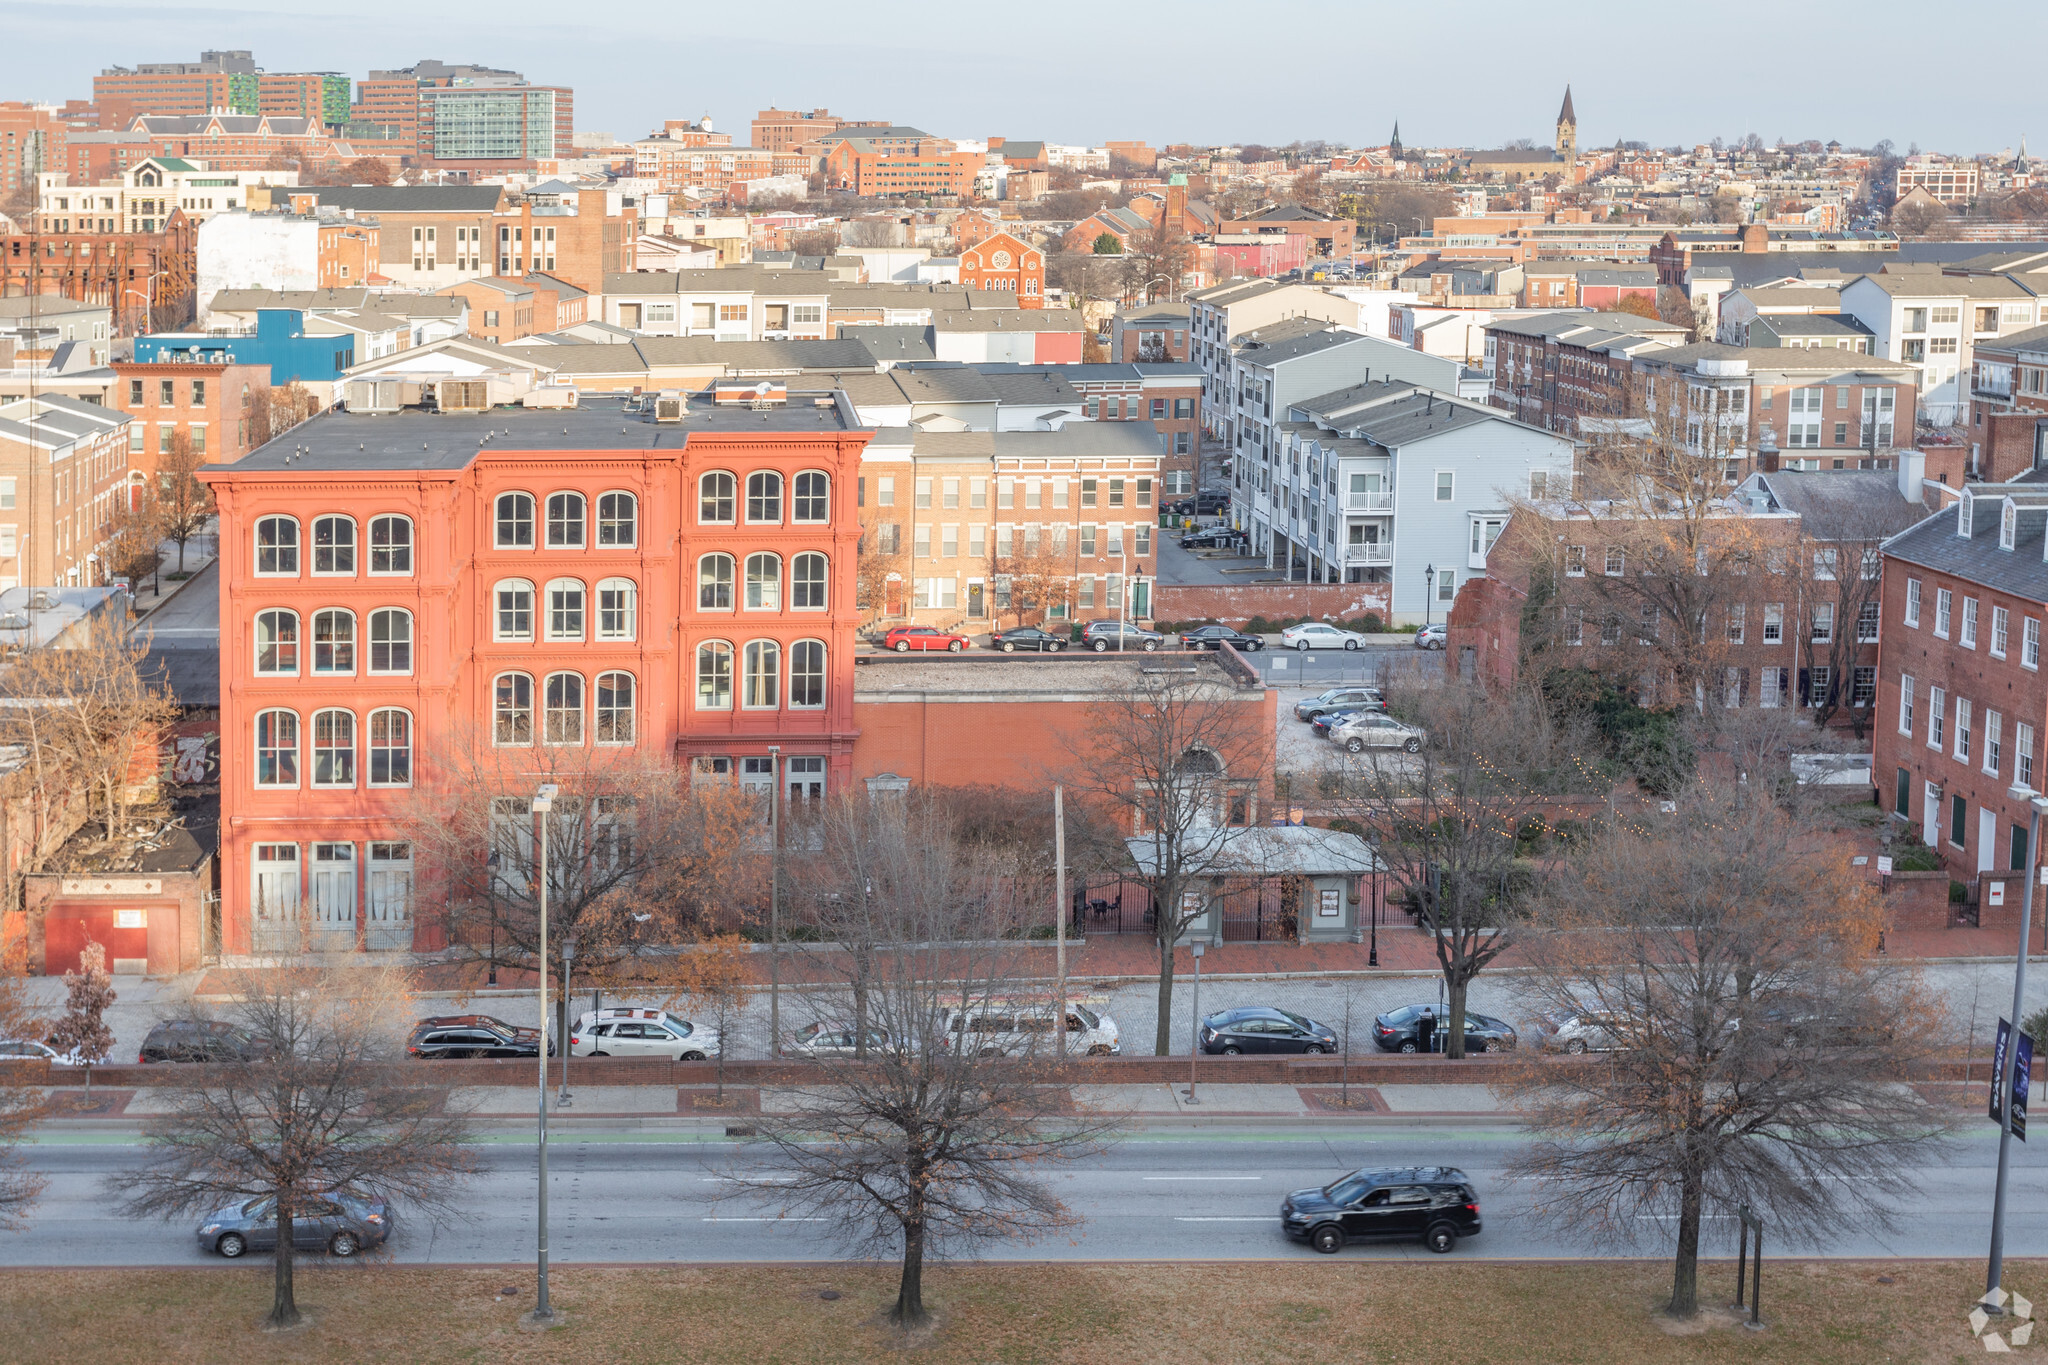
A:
[1957,892]
[1917,858]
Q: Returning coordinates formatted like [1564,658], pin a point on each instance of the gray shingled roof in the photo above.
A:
[1934,544]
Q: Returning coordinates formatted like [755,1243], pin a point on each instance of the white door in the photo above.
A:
[1987,838]
[333,927]
[274,898]
[389,909]
[1931,798]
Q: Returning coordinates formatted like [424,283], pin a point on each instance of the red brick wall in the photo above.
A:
[1237,603]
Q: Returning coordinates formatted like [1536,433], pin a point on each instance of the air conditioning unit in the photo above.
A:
[669,407]
[371,395]
[463,395]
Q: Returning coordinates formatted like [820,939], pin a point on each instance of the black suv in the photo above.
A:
[1215,637]
[197,1040]
[1208,502]
[1264,1029]
[1434,1203]
[472,1035]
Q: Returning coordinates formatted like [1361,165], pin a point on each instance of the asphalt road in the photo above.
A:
[1199,1197]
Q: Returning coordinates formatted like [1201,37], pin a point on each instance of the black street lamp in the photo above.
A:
[562,1097]
[1428,591]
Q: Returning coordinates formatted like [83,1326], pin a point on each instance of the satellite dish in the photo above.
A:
[761,388]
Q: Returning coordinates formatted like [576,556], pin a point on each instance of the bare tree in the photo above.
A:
[1760,1039]
[1839,563]
[942,1137]
[300,1106]
[21,1108]
[133,537]
[710,978]
[88,713]
[186,503]
[88,992]
[1454,819]
[274,411]
[1178,753]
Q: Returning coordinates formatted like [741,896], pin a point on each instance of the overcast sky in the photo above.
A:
[1955,78]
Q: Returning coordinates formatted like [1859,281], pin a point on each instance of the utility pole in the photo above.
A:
[543,806]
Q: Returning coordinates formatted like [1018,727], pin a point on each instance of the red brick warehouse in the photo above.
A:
[396,585]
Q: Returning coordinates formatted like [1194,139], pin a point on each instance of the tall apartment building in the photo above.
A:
[390,99]
[685,590]
[33,139]
[778,130]
[1950,181]
[1224,312]
[228,81]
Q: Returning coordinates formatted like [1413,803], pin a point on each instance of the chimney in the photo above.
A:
[1756,238]
[1912,471]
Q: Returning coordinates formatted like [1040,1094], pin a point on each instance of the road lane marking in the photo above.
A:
[748,1179]
[765,1220]
[1672,1217]
[1264,1218]
[1203,1177]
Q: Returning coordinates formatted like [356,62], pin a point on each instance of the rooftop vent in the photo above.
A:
[669,406]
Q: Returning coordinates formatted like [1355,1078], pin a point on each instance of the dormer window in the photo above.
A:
[1963,514]
[2008,524]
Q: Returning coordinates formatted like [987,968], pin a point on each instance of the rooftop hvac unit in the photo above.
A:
[371,395]
[463,395]
[669,407]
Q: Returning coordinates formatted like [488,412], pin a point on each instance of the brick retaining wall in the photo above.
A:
[1236,603]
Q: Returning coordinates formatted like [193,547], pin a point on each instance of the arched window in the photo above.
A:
[334,641]
[277,642]
[334,749]
[515,521]
[390,546]
[390,748]
[615,708]
[565,708]
[618,519]
[812,499]
[391,640]
[714,583]
[277,749]
[714,676]
[515,610]
[277,547]
[764,496]
[616,608]
[807,582]
[807,674]
[764,674]
[764,583]
[715,497]
[565,609]
[334,547]
[565,521]
[512,709]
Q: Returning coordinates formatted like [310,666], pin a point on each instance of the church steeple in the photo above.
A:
[1394,146]
[1567,144]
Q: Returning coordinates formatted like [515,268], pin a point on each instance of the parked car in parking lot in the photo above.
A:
[632,1032]
[817,1041]
[1106,635]
[1211,538]
[1581,1030]
[28,1050]
[997,1027]
[1320,635]
[1376,730]
[197,1040]
[1027,637]
[1331,720]
[1215,637]
[903,639]
[1340,699]
[1401,1030]
[1432,636]
[1206,503]
[1265,1029]
[342,1224]
[1435,1204]
[472,1035]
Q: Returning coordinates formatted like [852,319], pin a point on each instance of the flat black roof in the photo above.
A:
[417,439]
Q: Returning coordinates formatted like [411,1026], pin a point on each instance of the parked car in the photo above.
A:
[1215,637]
[631,1032]
[998,1028]
[1210,538]
[193,1040]
[1265,1029]
[1340,699]
[1435,1204]
[1027,637]
[472,1035]
[344,1224]
[1581,1030]
[1331,720]
[1206,503]
[1320,635]
[831,1040]
[1432,636]
[903,639]
[1401,1030]
[28,1050]
[1105,635]
[1377,730]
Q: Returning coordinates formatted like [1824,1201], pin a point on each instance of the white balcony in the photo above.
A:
[1376,552]
[1368,502]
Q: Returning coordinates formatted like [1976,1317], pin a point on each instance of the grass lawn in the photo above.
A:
[1337,1309]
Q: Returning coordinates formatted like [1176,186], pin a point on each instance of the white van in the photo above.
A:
[1000,1026]
[625,1032]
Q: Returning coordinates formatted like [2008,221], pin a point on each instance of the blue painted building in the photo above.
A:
[294,344]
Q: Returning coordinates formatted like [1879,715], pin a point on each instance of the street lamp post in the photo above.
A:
[1428,591]
[543,806]
[1995,1271]
[562,1098]
[1195,1048]
[775,901]
[1372,957]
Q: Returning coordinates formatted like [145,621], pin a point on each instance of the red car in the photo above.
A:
[903,639]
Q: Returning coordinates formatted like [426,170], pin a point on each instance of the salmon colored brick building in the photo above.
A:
[1001,261]
[394,586]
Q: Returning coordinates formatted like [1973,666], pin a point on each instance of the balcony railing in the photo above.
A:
[1373,552]
[1368,502]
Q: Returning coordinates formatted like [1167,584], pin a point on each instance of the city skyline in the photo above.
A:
[1284,86]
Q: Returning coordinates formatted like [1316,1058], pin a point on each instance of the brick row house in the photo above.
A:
[590,576]
[207,402]
[1962,700]
[63,466]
